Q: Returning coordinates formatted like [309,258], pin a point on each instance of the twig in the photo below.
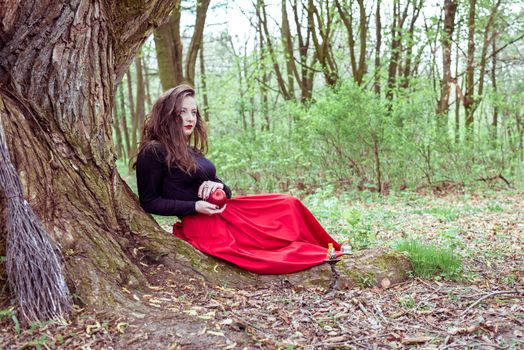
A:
[488,296]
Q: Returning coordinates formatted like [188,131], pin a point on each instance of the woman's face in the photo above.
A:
[188,113]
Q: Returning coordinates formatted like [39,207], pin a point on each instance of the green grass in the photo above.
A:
[442,214]
[430,261]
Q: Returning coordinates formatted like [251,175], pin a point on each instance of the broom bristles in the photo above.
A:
[33,268]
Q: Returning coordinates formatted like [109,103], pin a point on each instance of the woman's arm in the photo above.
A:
[149,179]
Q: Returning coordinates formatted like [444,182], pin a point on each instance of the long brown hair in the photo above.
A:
[164,127]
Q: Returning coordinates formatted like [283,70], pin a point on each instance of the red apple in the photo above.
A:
[217,197]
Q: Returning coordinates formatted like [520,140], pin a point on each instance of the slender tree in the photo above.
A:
[203,83]
[169,47]
[321,24]
[378,43]
[358,67]
[140,95]
[470,73]
[450,9]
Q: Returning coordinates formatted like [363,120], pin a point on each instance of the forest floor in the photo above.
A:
[483,309]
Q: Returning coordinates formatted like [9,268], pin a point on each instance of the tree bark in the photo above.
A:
[494,123]
[396,46]
[58,97]
[468,96]
[265,36]
[140,95]
[123,120]
[306,74]
[358,68]
[203,82]
[134,119]
[164,47]
[287,43]
[450,9]
[196,40]
[378,35]
[118,132]
[325,32]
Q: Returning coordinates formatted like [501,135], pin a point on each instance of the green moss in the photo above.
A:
[362,279]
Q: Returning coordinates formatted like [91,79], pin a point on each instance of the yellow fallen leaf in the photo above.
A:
[90,329]
[218,334]
[121,327]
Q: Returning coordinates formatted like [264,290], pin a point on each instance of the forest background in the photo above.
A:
[359,108]
[353,95]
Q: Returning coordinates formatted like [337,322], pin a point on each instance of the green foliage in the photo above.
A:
[430,261]
[441,213]
[9,313]
[361,235]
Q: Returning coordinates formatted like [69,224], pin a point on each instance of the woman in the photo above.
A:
[266,234]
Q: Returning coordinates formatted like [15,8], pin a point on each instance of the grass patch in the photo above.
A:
[430,261]
[442,214]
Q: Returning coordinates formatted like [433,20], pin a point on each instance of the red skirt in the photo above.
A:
[265,234]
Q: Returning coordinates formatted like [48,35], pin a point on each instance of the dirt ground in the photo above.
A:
[483,310]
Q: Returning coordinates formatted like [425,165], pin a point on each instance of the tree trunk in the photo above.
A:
[145,70]
[196,40]
[265,36]
[57,99]
[378,34]
[494,123]
[468,96]
[287,44]
[59,134]
[164,47]
[484,52]
[396,46]
[358,68]
[140,95]
[450,9]
[325,32]
[134,119]
[203,82]
[118,132]
[123,120]
[305,77]
[410,42]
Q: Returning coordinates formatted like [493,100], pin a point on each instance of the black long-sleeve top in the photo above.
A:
[171,191]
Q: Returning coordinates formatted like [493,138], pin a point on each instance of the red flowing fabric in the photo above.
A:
[265,234]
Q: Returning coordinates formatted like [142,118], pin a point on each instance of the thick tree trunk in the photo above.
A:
[58,129]
[164,47]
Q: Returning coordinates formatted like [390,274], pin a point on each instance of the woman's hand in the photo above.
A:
[207,208]
[208,187]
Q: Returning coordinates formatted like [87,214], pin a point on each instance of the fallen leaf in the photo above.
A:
[416,340]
